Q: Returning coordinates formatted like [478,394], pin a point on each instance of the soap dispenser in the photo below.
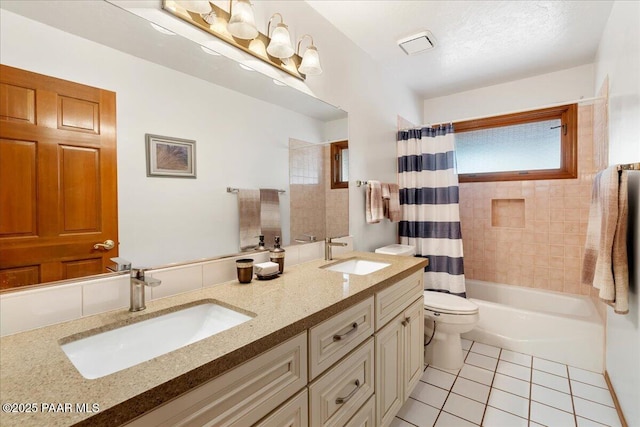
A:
[261,246]
[277,255]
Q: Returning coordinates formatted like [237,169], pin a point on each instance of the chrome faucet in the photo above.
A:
[328,243]
[138,282]
[306,238]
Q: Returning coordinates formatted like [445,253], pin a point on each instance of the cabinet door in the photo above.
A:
[389,371]
[241,396]
[413,345]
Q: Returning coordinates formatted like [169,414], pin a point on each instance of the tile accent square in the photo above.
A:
[512,385]
[551,397]
[484,349]
[513,370]
[549,416]
[588,377]
[550,367]
[471,389]
[596,412]
[476,374]
[438,378]
[429,394]
[496,418]
[592,393]
[552,381]
[508,402]
[481,361]
[517,358]
[465,408]
[418,413]
[448,420]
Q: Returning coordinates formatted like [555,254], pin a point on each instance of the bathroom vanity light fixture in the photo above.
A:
[242,23]
[280,44]
[310,60]
[237,28]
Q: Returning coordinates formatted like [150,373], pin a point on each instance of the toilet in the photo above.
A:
[451,316]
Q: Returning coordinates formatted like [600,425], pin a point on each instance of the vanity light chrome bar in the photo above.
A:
[235,190]
[629,167]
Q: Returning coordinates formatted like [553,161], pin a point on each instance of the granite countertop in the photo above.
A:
[35,371]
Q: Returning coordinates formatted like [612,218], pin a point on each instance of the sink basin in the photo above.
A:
[358,267]
[112,351]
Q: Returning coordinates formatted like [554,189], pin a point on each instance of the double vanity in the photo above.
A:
[327,343]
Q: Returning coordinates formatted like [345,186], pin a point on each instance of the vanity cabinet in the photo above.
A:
[355,369]
[399,345]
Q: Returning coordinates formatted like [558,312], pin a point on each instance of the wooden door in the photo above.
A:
[58,189]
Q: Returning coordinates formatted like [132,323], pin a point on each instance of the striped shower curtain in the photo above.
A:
[429,204]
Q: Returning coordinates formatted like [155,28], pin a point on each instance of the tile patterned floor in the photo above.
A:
[502,388]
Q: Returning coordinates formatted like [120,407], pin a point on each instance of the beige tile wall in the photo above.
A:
[547,252]
[307,190]
[337,203]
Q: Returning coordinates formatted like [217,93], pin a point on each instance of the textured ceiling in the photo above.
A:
[478,43]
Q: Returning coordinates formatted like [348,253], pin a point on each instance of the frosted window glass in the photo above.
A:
[529,146]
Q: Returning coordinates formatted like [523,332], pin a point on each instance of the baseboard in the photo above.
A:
[615,400]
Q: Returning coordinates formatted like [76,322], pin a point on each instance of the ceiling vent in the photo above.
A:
[417,43]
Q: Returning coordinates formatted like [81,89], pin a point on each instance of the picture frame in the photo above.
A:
[170,157]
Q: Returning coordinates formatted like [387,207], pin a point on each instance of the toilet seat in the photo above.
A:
[450,304]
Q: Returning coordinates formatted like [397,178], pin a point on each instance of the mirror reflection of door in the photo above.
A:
[58,189]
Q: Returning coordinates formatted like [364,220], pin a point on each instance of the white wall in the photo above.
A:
[619,58]
[165,220]
[530,93]
[352,81]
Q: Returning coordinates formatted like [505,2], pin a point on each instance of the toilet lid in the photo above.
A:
[447,303]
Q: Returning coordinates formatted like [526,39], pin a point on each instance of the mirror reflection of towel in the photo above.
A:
[270,215]
[391,202]
[249,215]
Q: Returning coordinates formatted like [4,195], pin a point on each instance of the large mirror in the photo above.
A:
[242,120]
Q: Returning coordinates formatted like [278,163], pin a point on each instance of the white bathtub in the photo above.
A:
[551,325]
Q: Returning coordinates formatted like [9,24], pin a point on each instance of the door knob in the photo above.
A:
[107,245]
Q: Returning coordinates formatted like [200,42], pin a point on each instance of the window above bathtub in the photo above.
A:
[539,144]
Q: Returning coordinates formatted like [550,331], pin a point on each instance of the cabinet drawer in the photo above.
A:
[335,337]
[241,396]
[366,416]
[340,392]
[294,413]
[396,298]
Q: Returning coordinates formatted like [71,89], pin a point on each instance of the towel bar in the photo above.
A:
[235,190]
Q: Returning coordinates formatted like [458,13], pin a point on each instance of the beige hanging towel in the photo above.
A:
[605,264]
[270,215]
[373,202]
[249,215]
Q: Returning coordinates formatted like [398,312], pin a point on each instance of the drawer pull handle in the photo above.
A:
[406,321]
[341,400]
[340,337]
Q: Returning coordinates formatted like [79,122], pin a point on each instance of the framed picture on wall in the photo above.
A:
[170,157]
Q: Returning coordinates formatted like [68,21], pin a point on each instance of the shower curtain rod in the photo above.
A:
[557,104]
